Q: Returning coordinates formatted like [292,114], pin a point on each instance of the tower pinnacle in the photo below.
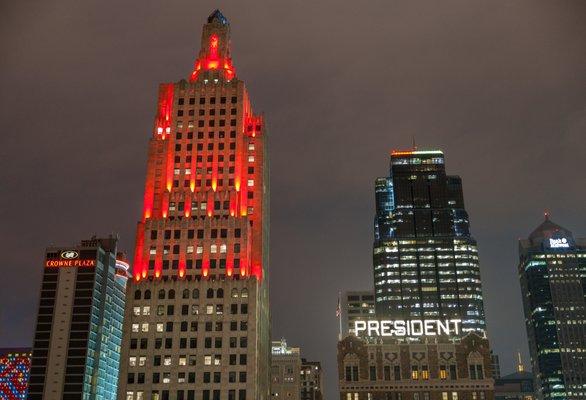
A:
[215,49]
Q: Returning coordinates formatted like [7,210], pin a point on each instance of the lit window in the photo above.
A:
[146,310]
[166,377]
[140,395]
[251,182]
[209,309]
[203,206]
[189,249]
[167,360]
[207,360]
[177,171]
[251,159]
[182,360]
[251,146]
[222,248]
[145,327]
[214,248]
[136,310]
[160,327]
[199,249]
[153,251]
[142,361]
[130,395]
[217,359]
[187,171]
[132,361]
[414,373]
[134,327]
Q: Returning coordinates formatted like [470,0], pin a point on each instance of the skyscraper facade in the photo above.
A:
[425,259]
[76,348]
[198,324]
[552,271]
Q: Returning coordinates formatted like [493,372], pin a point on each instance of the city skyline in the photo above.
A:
[527,124]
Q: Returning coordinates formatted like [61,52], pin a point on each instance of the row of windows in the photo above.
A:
[209,309]
[212,100]
[234,293]
[168,326]
[198,249]
[199,160]
[190,377]
[200,232]
[201,112]
[185,395]
[417,396]
[208,359]
[213,263]
[352,372]
[143,343]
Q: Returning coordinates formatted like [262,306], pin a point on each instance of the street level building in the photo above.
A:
[425,259]
[311,380]
[387,370]
[516,386]
[76,348]
[354,306]
[14,373]
[285,371]
[552,271]
[197,316]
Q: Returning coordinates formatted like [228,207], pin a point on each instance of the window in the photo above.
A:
[160,327]
[351,373]
[145,327]
[135,327]
[372,373]
[137,293]
[207,360]
[146,310]
[414,373]
[195,294]
[443,374]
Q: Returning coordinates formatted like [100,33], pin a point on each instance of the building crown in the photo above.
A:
[215,48]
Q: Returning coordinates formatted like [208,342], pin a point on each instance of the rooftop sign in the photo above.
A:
[408,328]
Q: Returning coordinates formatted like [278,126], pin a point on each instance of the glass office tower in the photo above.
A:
[76,349]
[552,271]
[425,259]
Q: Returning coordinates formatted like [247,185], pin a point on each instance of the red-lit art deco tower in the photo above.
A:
[197,322]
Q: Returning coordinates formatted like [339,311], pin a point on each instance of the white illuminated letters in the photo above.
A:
[558,243]
[428,327]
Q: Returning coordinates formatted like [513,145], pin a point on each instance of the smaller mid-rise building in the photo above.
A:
[311,380]
[516,386]
[496,365]
[375,369]
[76,348]
[14,372]
[354,306]
[285,371]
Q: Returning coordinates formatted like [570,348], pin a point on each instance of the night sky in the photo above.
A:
[499,86]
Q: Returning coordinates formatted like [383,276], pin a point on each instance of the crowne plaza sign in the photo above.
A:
[70,258]
[408,328]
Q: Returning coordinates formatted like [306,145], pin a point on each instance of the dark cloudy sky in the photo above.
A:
[499,86]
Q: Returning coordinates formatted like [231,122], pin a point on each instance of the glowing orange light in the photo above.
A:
[157,273]
[401,153]
[212,64]
[187,213]
[192,185]
[181,273]
[164,214]
[237,185]
[147,214]
[137,277]
[214,184]
[205,272]
[144,274]
[209,213]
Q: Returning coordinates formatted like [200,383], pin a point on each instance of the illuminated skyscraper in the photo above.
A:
[552,270]
[14,371]
[76,348]
[425,260]
[197,318]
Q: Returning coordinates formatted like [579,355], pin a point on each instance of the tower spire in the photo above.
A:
[215,49]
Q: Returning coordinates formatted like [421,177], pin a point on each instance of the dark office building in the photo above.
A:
[76,349]
[425,260]
[552,270]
